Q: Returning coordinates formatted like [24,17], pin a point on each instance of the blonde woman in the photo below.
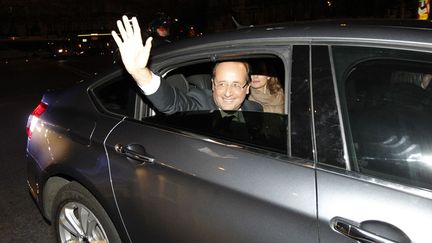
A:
[266,90]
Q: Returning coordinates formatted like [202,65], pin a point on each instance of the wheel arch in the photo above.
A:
[51,188]
[55,183]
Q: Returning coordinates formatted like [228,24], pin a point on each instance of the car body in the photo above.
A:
[349,160]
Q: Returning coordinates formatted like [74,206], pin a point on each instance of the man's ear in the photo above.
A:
[248,89]
[212,82]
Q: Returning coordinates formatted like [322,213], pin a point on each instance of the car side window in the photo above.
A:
[262,130]
[271,97]
[254,129]
[387,97]
[119,96]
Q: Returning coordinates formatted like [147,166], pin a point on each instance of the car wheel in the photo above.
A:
[78,217]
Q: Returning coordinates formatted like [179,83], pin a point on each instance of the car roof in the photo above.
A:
[397,30]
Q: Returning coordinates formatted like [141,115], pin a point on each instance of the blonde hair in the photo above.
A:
[274,85]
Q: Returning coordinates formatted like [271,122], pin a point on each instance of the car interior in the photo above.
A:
[199,75]
[121,96]
[389,114]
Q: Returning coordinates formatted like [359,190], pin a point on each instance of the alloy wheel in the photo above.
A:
[79,224]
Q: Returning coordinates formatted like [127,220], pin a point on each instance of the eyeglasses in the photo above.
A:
[233,86]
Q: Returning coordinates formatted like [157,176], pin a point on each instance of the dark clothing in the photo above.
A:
[170,100]
[159,41]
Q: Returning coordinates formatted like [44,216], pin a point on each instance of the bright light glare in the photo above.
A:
[33,123]
[427,159]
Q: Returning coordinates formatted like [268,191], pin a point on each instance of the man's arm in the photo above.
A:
[133,53]
[170,100]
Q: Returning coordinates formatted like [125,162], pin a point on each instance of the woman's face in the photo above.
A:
[258,81]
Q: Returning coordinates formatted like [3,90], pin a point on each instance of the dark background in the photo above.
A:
[69,17]
[33,31]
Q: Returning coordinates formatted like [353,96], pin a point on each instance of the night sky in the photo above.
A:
[65,17]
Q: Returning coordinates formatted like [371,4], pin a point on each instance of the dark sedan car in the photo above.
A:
[349,160]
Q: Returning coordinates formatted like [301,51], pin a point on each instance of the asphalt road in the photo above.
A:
[22,85]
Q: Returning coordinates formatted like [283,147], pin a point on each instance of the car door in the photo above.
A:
[384,193]
[172,185]
[179,179]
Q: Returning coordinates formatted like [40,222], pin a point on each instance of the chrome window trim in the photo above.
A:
[287,93]
[311,96]
[417,191]
[338,105]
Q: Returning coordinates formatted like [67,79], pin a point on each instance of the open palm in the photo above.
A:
[133,53]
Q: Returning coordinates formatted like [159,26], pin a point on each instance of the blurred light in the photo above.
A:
[60,50]
[423,10]
[34,118]
[84,40]
[427,159]
[94,34]
[329,3]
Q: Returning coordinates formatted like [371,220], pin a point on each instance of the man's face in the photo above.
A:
[229,85]
[162,31]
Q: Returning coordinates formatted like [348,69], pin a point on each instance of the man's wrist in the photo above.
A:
[152,86]
[142,77]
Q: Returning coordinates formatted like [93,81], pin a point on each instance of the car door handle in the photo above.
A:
[135,152]
[370,231]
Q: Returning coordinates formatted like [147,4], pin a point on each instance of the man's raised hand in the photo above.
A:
[134,55]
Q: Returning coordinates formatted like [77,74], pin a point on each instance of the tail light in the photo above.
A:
[34,118]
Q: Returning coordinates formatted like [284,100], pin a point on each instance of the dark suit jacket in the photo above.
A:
[170,100]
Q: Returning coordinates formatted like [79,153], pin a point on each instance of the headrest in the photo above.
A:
[202,81]
[178,81]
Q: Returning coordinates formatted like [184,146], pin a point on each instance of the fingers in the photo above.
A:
[129,30]
[121,29]
[148,43]
[136,28]
[116,38]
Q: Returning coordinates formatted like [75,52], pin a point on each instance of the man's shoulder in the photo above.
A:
[249,105]
[204,97]
[200,93]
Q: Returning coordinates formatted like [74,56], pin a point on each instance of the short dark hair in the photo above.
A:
[246,65]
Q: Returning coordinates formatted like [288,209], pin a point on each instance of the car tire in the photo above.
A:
[78,217]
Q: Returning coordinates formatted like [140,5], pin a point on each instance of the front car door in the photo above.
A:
[375,186]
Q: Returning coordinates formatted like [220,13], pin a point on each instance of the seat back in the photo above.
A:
[179,82]
[202,81]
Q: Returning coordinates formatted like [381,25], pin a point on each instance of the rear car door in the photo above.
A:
[203,189]
[179,178]
[375,186]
